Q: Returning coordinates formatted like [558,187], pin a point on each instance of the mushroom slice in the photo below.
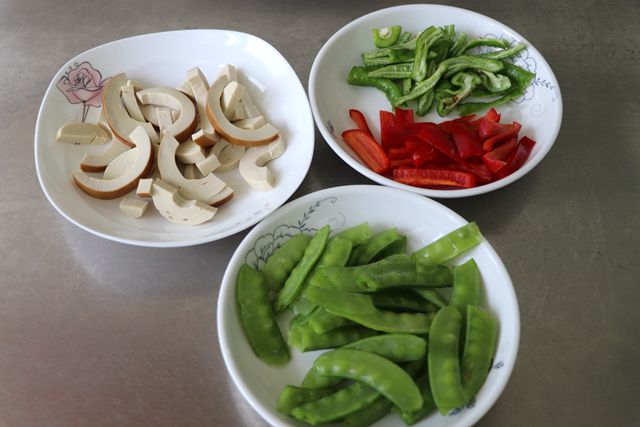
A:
[144,187]
[229,71]
[229,131]
[228,154]
[184,126]
[251,123]
[249,106]
[231,97]
[208,164]
[239,113]
[121,124]
[121,164]
[189,152]
[165,120]
[222,197]
[192,172]
[252,167]
[99,162]
[82,133]
[204,189]
[117,187]
[131,102]
[133,207]
[185,88]
[200,87]
[177,209]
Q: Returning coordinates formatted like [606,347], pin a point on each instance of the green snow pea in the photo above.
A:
[428,405]
[395,347]
[401,301]
[343,302]
[302,306]
[281,262]
[337,405]
[443,360]
[387,36]
[466,286]
[293,284]
[432,296]
[304,338]
[364,253]
[292,397]
[394,271]
[358,76]
[479,346]
[257,317]
[381,374]
[370,414]
[321,321]
[395,248]
[357,234]
[450,245]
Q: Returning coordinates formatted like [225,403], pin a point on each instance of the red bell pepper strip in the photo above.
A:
[388,131]
[517,158]
[492,116]
[434,177]
[398,153]
[497,158]
[481,171]
[404,117]
[435,137]
[508,132]
[466,139]
[396,163]
[360,121]
[367,149]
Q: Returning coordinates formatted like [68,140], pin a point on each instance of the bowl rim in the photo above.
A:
[227,288]
[362,169]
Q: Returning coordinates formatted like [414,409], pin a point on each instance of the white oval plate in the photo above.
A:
[539,110]
[422,220]
[163,59]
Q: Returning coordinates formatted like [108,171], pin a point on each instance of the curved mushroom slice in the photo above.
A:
[228,154]
[99,162]
[240,113]
[229,71]
[165,119]
[228,130]
[117,187]
[192,172]
[121,124]
[206,136]
[230,97]
[189,152]
[184,126]
[251,123]
[131,102]
[185,88]
[208,164]
[177,209]
[204,189]
[82,133]
[222,197]
[252,167]
[150,113]
[133,207]
[121,164]
[249,106]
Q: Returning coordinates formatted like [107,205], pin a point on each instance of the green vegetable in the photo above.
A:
[393,71]
[369,414]
[426,38]
[450,245]
[281,262]
[466,286]
[304,338]
[401,301]
[356,235]
[359,76]
[322,321]
[364,253]
[449,98]
[257,317]
[428,405]
[387,36]
[506,53]
[292,397]
[479,346]
[395,347]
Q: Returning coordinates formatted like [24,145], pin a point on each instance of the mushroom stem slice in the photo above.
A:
[133,207]
[252,167]
[184,126]
[99,162]
[82,133]
[189,152]
[228,154]
[177,209]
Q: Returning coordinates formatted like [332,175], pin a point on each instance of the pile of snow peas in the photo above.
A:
[404,332]
[441,67]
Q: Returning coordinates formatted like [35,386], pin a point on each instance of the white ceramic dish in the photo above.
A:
[343,207]
[162,59]
[539,110]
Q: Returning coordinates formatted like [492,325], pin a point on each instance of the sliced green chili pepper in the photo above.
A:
[292,397]
[293,284]
[466,286]
[405,37]
[395,55]
[484,41]
[478,351]
[467,108]
[425,40]
[458,45]
[337,405]
[281,262]
[520,77]
[395,347]
[358,76]
[304,338]
[495,83]
[393,71]
[428,405]
[444,366]
[421,88]
[387,36]
[449,98]
[377,372]
[406,85]
[463,62]
[506,53]
[409,45]
[450,245]
[425,102]
[257,317]
[364,253]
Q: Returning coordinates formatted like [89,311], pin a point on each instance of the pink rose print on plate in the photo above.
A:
[82,84]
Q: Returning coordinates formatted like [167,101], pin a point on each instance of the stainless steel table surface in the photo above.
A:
[96,333]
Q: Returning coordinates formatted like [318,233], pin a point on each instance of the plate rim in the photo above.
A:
[144,242]
[226,288]
[363,170]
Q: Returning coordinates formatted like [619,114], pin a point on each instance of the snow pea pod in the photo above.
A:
[340,302]
[370,414]
[293,284]
[401,301]
[292,397]
[395,248]
[466,286]
[431,296]
[443,360]
[321,321]
[450,245]
[337,405]
[357,234]
[281,262]
[395,347]
[479,346]
[257,317]
[377,372]
[304,338]
[364,253]
[428,405]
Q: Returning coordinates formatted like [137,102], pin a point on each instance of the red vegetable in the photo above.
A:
[506,133]
[498,157]
[388,130]
[368,149]
[518,157]
[360,121]
[434,177]
[467,139]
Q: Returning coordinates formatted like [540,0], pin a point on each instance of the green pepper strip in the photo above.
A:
[450,245]
[405,37]
[379,53]
[358,76]
[395,55]
[294,283]
[489,42]
[425,40]
[466,82]
[456,49]
[257,317]
[505,53]
[387,36]
[495,83]
[393,71]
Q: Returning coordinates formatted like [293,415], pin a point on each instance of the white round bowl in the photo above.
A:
[539,111]
[422,220]
[163,59]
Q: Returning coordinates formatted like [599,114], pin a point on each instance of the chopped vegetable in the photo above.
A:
[387,36]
